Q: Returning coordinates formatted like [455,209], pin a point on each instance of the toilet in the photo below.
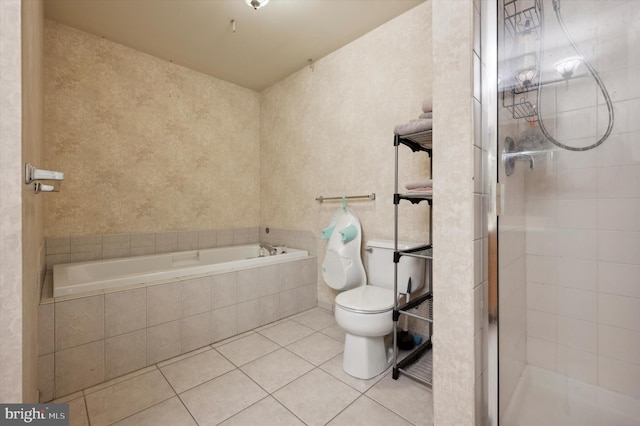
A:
[366,311]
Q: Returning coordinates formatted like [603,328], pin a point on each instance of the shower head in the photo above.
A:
[556,4]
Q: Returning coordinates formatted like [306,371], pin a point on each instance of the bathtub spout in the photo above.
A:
[270,249]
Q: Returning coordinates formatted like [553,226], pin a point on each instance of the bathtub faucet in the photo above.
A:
[272,250]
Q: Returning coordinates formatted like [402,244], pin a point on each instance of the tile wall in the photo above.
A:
[88,340]
[583,213]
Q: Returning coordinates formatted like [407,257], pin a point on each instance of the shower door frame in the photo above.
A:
[489,38]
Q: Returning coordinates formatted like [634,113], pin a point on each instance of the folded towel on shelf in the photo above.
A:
[420,190]
[414,126]
[419,184]
[416,194]
[427,104]
[426,115]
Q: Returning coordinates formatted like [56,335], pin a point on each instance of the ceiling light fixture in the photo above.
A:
[256,4]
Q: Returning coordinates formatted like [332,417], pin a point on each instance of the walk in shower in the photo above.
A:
[567,319]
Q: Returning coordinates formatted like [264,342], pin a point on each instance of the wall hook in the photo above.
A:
[32,174]
[311,64]
[233,25]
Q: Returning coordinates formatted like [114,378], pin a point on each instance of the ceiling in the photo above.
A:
[268,44]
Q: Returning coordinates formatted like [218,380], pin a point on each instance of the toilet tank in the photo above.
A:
[380,266]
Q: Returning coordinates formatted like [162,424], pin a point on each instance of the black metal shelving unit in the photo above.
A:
[418,363]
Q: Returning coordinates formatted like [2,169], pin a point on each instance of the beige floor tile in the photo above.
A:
[193,371]
[276,369]
[247,349]
[315,318]
[405,397]
[316,348]
[121,400]
[78,413]
[170,413]
[335,332]
[271,324]
[334,367]
[221,398]
[267,412]
[366,412]
[316,397]
[287,332]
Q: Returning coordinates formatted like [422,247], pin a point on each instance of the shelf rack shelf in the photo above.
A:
[417,364]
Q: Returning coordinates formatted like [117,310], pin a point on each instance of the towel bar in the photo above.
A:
[321,199]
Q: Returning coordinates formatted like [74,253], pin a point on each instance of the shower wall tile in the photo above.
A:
[578,274]
[541,325]
[619,278]
[619,214]
[542,297]
[542,353]
[579,183]
[578,244]
[577,214]
[619,182]
[577,364]
[578,304]
[617,246]
[619,311]
[578,334]
[619,343]
[619,376]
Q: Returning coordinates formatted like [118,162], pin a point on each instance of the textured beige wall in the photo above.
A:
[146,145]
[11,182]
[32,222]
[453,273]
[329,131]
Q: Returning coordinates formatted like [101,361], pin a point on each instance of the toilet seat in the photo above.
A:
[366,299]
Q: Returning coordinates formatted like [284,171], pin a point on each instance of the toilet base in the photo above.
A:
[365,357]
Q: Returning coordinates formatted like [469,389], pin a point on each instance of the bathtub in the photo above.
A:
[77,278]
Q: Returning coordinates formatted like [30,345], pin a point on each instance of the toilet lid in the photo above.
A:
[366,298]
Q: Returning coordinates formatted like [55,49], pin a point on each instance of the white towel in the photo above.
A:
[426,115]
[414,126]
[419,184]
[427,104]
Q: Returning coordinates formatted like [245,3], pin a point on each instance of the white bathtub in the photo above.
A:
[78,278]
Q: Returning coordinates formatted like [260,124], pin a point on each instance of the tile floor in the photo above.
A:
[285,373]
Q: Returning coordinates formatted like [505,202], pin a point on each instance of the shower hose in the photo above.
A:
[592,71]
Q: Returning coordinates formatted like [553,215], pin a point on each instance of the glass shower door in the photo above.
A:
[569,223]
